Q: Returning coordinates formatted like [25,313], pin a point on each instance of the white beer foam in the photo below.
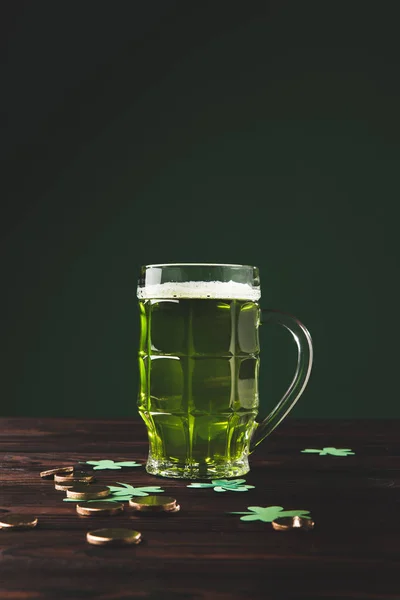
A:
[229,290]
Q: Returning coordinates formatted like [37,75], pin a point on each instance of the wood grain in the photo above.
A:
[202,551]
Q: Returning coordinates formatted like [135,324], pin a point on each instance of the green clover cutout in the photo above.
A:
[110,464]
[268,514]
[129,490]
[331,451]
[224,485]
[123,494]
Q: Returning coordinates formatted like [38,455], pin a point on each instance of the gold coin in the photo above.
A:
[18,521]
[153,503]
[77,476]
[49,474]
[293,524]
[113,537]
[80,491]
[63,486]
[99,509]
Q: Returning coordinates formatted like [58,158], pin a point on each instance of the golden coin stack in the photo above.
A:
[79,485]
[99,509]
[64,481]
[49,474]
[83,491]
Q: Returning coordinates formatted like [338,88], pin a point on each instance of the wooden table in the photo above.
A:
[203,552]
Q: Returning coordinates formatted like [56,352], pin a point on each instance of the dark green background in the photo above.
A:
[256,133]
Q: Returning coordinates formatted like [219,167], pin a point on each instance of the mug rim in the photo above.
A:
[198,265]
[198,280]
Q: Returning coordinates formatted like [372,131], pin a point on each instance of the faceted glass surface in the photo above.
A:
[198,396]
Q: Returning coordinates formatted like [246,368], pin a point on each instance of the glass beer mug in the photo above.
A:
[199,359]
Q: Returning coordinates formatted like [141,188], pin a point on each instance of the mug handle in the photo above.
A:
[304,363]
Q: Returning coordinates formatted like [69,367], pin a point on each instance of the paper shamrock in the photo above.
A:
[110,464]
[268,514]
[123,494]
[332,451]
[129,491]
[224,485]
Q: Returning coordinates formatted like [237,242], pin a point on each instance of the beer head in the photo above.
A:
[199,281]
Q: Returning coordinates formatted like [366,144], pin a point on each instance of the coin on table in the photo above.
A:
[49,474]
[18,521]
[293,524]
[64,486]
[153,504]
[99,509]
[80,491]
[77,476]
[114,537]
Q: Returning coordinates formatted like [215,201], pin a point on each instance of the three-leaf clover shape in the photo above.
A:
[123,494]
[332,451]
[110,464]
[224,485]
[267,514]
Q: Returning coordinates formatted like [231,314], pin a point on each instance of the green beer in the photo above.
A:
[198,362]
